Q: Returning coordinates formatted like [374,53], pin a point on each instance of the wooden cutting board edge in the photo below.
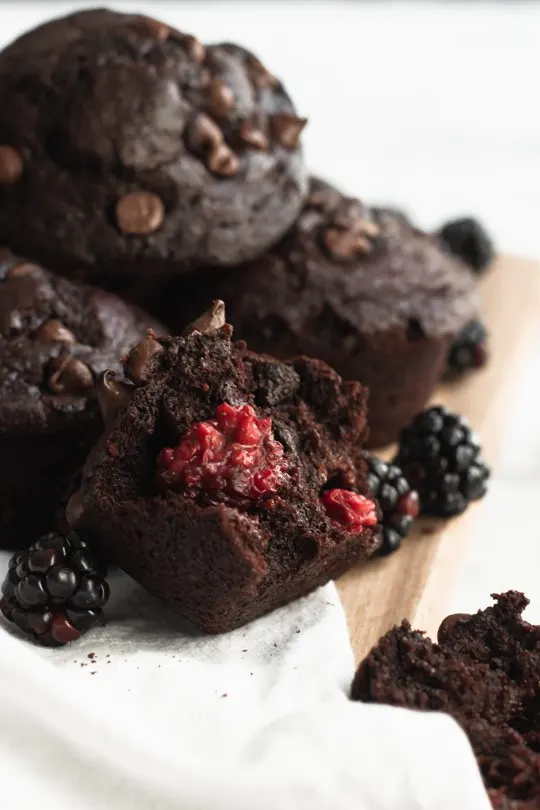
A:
[416,582]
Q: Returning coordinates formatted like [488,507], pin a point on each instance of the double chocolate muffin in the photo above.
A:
[361,289]
[229,483]
[55,338]
[484,672]
[129,149]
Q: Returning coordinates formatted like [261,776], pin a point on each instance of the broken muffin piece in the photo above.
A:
[228,483]
[483,672]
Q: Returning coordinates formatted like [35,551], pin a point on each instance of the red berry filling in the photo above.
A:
[233,458]
[352,511]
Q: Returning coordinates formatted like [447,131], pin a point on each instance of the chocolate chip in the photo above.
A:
[75,509]
[355,222]
[55,330]
[139,212]
[195,48]
[448,625]
[286,129]
[209,321]
[260,75]
[223,161]
[154,29]
[345,244]
[140,361]
[113,395]
[323,199]
[254,137]
[221,98]
[204,135]
[11,165]
[70,376]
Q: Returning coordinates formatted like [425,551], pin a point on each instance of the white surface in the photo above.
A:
[257,719]
[432,107]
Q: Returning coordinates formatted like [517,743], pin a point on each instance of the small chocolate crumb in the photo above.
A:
[91,655]
[140,361]
[286,129]
[221,97]
[139,213]
[224,695]
[93,672]
[70,376]
[11,165]
[54,330]
[223,161]
[254,137]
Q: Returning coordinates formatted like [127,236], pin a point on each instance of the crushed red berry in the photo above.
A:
[352,511]
[232,459]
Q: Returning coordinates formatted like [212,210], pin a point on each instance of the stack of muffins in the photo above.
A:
[167,174]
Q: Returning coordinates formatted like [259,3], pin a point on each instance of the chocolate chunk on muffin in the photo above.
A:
[55,338]
[228,482]
[484,672]
[361,289]
[130,148]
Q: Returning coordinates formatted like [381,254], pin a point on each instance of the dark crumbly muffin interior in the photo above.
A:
[485,673]
[222,564]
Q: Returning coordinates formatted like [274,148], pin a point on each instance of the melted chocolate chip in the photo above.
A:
[11,165]
[113,395]
[223,161]
[209,321]
[152,28]
[447,626]
[286,129]
[204,135]
[221,98]
[254,137]
[260,75]
[70,376]
[195,48]
[55,330]
[139,364]
[140,213]
[75,509]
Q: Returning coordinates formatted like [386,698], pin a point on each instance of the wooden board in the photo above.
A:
[415,582]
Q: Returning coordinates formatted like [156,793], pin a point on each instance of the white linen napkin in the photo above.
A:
[143,713]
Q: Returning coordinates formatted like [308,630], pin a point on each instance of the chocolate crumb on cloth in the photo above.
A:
[228,483]
[361,289]
[484,671]
[55,338]
[132,149]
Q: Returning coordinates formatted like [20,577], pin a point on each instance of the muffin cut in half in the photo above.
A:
[227,483]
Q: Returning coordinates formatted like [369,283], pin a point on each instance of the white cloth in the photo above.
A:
[143,714]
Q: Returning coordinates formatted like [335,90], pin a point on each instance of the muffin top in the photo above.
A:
[131,143]
[55,338]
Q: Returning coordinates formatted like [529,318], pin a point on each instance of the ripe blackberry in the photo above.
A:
[55,591]
[397,500]
[440,456]
[468,239]
[468,351]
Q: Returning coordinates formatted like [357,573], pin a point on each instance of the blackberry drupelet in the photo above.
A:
[440,457]
[397,500]
[468,239]
[55,591]
[469,350]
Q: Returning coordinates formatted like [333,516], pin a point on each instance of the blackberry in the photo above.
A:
[468,239]
[468,350]
[55,591]
[397,500]
[440,456]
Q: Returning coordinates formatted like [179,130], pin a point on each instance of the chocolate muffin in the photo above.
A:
[361,289]
[228,482]
[131,149]
[484,672]
[55,337]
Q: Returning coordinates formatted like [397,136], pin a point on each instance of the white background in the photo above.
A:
[433,106]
